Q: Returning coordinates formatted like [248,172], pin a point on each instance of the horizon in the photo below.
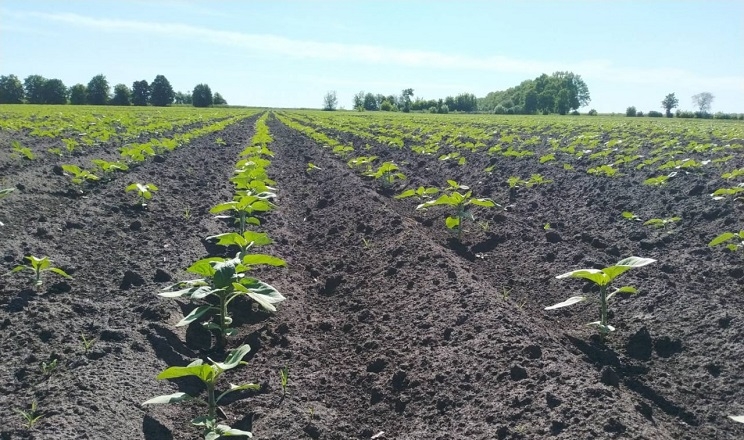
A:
[290,54]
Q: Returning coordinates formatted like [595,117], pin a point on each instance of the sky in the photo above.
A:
[282,53]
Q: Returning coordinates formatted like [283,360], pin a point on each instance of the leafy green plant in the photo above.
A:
[606,170]
[38,266]
[627,215]
[656,181]
[734,240]
[244,241]
[244,207]
[515,182]
[32,416]
[722,193]
[661,222]
[225,280]
[362,161]
[48,368]
[537,179]
[144,191]
[22,151]
[87,343]
[733,174]
[110,167]
[79,175]
[602,278]
[460,203]
[284,379]
[312,167]
[219,141]
[55,151]
[209,374]
[547,158]
[420,192]
[387,174]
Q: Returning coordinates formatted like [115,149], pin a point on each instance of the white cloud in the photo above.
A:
[603,70]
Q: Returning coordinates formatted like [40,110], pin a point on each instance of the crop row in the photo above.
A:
[225,280]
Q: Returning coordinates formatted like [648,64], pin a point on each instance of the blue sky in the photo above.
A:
[290,53]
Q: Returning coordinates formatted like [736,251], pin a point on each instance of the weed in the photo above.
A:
[22,151]
[87,343]
[284,379]
[32,416]
[48,368]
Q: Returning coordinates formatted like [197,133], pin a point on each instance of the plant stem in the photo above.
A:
[223,325]
[212,402]
[603,311]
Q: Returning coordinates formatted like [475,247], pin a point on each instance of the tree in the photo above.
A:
[217,99]
[703,101]
[77,94]
[11,90]
[405,99]
[370,102]
[140,93]
[201,96]
[34,85]
[98,90]
[359,101]
[122,95]
[330,101]
[669,102]
[530,102]
[55,92]
[161,92]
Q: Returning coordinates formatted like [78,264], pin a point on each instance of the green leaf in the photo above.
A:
[194,315]
[726,236]
[227,206]
[488,203]
[227,431]
[613,272]
[627,289]
[452,222]
[406,193]
[203,371]
[234,357]
[253,259]
[635,262]
[224,273]
[60,272]
[569,302]
[594,275]
[170,398]
[245,386]
[204,266]
[132,187]
[264,294]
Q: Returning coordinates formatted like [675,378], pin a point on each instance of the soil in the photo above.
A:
[392,328]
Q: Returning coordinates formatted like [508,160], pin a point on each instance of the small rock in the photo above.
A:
[532,351]
[159,158]
[57,169]
[136,225]
[552,400]
[376,366]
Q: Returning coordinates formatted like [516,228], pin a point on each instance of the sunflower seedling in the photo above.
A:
[387,174]
[420,192]
[244,207]
[245,241]
[78,175]
[38,266]
[627,215]
[661,222]
[144,192]
[225,280]
[32,416]
[460,202]
[602,278]
[209,374]
[734,240]
[22,151]
[312,167]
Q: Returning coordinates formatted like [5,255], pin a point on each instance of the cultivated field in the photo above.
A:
[397,322]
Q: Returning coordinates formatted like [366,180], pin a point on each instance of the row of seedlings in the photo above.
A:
[224,280]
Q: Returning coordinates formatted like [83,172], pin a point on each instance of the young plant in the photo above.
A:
[602,278]
[387,174]
[78,175]
[284,380]
[209,374]
[87,343]
[144,192]
[244,207]
[38,266]
[245,241]
[110,167]
[656,181]
[312,167]
[421,192]
[22,151]
[225,280]
[460,203]
[537,179]
[661,222]
[627,215]
[48,368]
[32,416]
[735,240]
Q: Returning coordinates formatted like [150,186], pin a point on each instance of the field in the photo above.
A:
[394,325]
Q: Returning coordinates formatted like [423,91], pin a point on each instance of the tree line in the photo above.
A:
[702,101]
[560,93]
[36,89]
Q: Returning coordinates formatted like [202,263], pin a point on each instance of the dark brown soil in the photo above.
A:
[390,325]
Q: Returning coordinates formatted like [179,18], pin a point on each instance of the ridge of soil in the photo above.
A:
[389,325]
